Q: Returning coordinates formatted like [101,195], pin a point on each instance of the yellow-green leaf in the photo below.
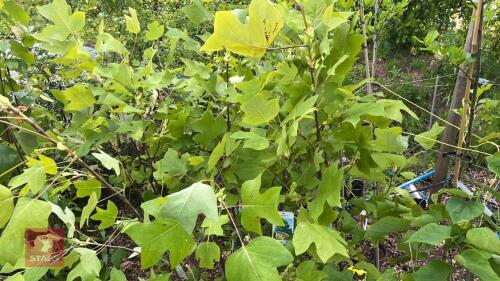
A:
[248,39]
[132,22]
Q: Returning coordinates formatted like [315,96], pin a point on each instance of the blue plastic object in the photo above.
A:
[417,179]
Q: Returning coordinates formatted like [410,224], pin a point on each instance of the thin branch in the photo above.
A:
[6,103]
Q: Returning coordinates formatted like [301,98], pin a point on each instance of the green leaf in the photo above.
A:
[258,206]
[329,191]
[117,275]
[33,177]
[85,188]
[64,22]
[171,165]
[107,217]
[79,98]
[185,205]
[7,203]
[9,158]
[307,271]
[17,12]
[155,31]
[207,253]
[492,160]
[28,213]
[258,261]
[260,109]
[461,210]
[328,241]
[477,263]
[108,162]
[196,13]
[88,209]
[155,238]
[132,22]
[217,154]
[389,140]
[215,228]
[435,270]
[393,109]
[431,234]
[484,239]
[334,19]
[252,140]
[65,216]
[208,128]
[358,110]
[385,226]
[48,164]
[428,139]
[248,39]
[88,268]
[388,275]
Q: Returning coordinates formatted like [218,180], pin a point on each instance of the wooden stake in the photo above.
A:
[365,46]
[449,137]
[466,102]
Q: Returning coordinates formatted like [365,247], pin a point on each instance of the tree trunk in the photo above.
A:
[365,46]
[450,132]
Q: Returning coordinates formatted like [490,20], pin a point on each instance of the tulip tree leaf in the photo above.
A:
[28,213]
[79,98]
[390,140]
[185,205]
[48,164]
[329,191]
[248,39]
[328,241]
[9,158]
[88,268]
[117,275]
[155,31]
[258,206]
[64,22]
[88,209]
[196,13]
[208,128]
[132,22]
[334,19]
[108,162]
[155,238]
[207,253]
[307,271]
[258,261]
[7,203]
[215,228]
[428,139]
[85,188]
[34,178]
[260,110]
[108,216]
